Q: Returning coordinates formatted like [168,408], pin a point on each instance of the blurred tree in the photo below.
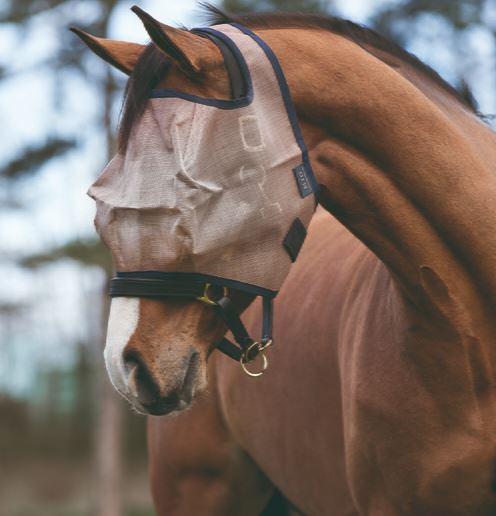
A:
[90,253]
[243,6]
[402,20]
[67,58]
[70,57]
[32,157]
[461,14]
[452,23]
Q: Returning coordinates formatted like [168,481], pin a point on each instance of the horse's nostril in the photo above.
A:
[155,398]
[187,387]
[140,382]
[132,380]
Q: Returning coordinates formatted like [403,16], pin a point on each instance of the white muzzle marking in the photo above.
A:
[123,321]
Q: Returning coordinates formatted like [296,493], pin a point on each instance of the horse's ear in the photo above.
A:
[190,51]
[121,54]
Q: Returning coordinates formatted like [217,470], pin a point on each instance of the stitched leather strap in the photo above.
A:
[172,287]
[229,349]
[152,287]
[227,311]
[268,319]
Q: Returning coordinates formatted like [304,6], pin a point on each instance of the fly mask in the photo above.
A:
[212,194]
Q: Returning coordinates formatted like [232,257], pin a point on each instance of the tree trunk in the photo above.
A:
[109,451]
[108,437]
[109,426]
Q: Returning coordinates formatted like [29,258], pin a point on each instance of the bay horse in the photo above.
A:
[380,397]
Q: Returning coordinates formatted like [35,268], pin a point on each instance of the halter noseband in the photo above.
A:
[247,349]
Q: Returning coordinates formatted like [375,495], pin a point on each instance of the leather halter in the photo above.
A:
[137,284]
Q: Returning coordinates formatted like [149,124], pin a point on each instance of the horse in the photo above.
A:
[380,395]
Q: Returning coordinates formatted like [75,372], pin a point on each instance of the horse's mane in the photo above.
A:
[153,64]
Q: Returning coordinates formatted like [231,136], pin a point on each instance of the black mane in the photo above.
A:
[153,65]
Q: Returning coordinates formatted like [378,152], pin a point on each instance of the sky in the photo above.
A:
[60,299]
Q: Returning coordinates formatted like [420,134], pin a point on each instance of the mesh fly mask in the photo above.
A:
[212,194]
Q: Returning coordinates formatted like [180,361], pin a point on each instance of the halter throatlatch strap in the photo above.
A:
[246,350]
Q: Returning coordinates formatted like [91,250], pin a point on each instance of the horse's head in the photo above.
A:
[206,187]
[156,349]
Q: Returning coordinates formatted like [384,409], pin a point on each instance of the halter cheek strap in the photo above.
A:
[245,350]
[248,349]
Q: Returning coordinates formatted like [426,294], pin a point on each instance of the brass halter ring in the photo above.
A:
[245,358]
[205,297]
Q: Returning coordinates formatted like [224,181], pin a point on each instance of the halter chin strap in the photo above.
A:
[246,350]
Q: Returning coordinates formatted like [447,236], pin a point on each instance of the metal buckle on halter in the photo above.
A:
[253,349]
[251,353]
[205,298]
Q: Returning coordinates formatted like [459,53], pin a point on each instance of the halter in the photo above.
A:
[158,285]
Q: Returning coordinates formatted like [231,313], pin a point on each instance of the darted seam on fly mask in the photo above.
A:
[211,190]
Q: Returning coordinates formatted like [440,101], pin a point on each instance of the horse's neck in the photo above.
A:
[407,171]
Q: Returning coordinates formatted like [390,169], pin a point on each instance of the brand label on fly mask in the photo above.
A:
[302,180]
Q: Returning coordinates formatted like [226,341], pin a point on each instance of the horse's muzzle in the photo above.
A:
[146,390]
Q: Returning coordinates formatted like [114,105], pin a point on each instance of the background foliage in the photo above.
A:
[59,109]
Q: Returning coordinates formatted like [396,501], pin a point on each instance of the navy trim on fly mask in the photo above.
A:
[288,102]
[234,103]
[236,78]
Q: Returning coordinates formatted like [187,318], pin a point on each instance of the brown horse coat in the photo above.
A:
[299,446]
[347,419]
[380,399]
